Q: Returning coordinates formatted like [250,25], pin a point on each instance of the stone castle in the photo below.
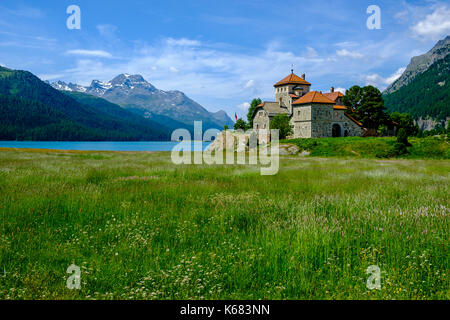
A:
[312,114]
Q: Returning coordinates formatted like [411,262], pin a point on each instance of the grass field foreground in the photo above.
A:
[142,228]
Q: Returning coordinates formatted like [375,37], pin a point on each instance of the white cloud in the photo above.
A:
[183,42]
[220,75]
[402,16]
[311,52]
[244,106]
[349,54]
[342,90]
[346,44]
[89,53]
[435,25]
[50,77]
[397,74]
[107,30]
[381,82]
[249,84]
[25,12]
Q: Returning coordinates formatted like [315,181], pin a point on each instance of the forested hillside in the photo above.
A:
[32,110]
[428,95]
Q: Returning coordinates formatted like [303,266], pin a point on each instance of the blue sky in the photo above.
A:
[220,53]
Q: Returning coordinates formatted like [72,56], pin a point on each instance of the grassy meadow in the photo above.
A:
[142,228]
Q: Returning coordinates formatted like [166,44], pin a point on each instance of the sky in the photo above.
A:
[220,53]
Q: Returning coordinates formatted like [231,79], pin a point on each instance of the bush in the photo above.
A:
[282,123]
[402,137]
[240,125]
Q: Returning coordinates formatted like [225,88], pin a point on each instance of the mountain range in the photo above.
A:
[172,109]
[30,109]
[423,90]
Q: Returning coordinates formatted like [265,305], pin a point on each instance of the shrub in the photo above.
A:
[402,137]
[282,123]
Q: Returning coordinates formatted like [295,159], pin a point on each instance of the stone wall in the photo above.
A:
[283,94]
[261,120]
[301,121]
[316,121]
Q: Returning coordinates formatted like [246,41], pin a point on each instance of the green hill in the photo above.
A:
[32,110]
[428,95]
[357,147]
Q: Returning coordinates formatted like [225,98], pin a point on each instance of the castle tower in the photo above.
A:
[291,88]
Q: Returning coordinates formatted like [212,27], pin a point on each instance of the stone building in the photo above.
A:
[312,114]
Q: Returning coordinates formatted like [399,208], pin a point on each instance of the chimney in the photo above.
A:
[332,89]
[303,76]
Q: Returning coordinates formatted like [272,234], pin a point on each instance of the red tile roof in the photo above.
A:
[313,97]
[333,95]
[292,79]
[336,107]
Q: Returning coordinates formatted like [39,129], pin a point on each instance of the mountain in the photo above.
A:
[170,108]
[30,109]
[424,89]
[420,64]
[60,85]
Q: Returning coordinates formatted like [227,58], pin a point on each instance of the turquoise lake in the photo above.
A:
[96,146]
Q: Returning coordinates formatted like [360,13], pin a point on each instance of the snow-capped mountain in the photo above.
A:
[134,92]
[60,85]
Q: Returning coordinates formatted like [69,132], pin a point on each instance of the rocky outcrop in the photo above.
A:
[287,149]
[238,141]
[430,124]
[230,141]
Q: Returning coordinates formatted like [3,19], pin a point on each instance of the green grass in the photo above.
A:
[355,147]
[143,228]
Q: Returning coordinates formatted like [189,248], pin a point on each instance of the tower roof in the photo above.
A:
[292,79]
[313,97]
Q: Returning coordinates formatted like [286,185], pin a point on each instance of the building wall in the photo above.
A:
[316,121]
[284,91]
[321,116]
[301,92]
[283,94]
[261,120]
[353,130]
[313,121]
[301,121]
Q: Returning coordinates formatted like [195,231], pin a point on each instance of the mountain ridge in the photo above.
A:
[426,97]
[135,93]
[420,64]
